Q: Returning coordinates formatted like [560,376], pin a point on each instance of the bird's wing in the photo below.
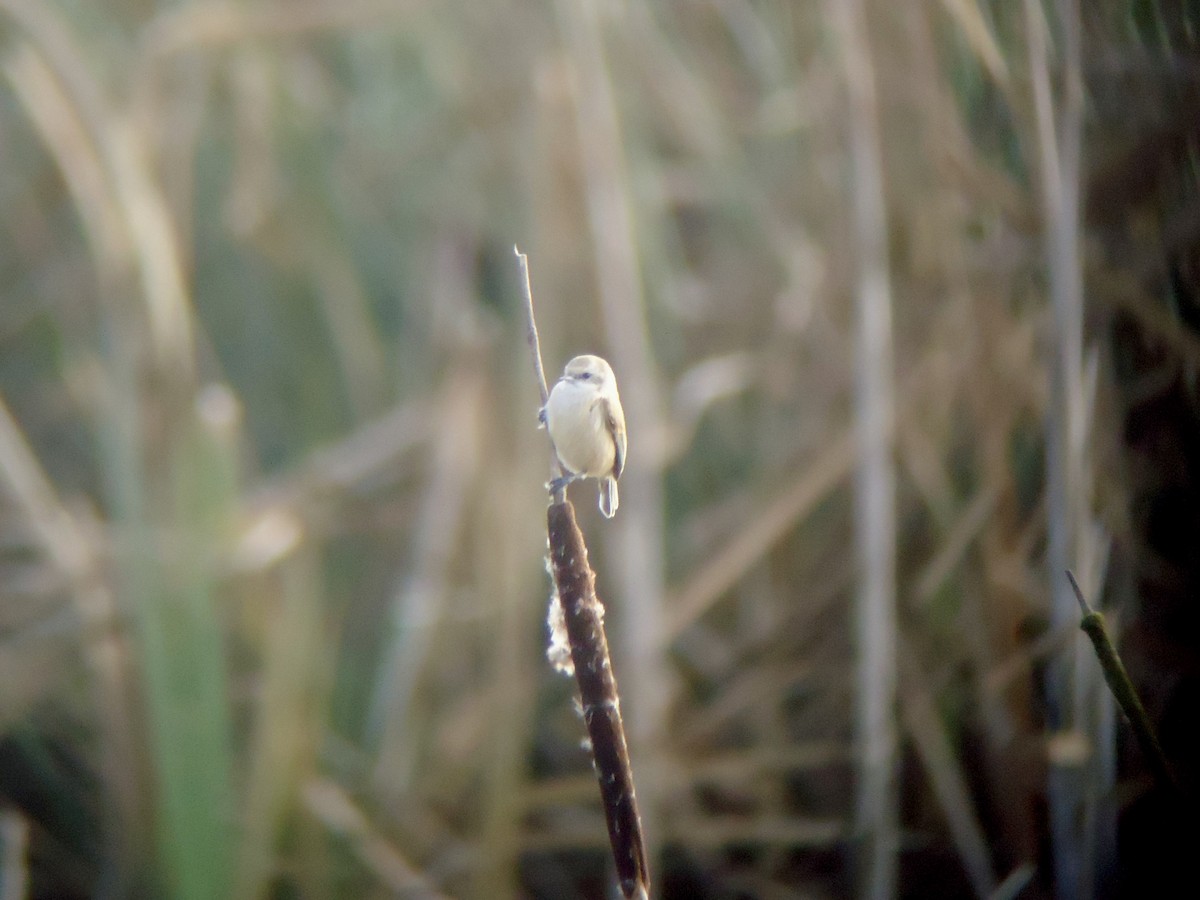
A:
[614,421]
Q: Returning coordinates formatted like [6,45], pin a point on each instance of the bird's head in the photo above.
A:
[589,369]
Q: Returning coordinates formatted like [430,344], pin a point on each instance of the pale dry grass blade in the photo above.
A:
[145,242]
[331,805]
[14,849]
[1059,130]
[519,596]
[70,546]
[289,720]
[67,545]
[214,23]
[969,17]
[369,454]
[963,533]
[876,816]
[934,746]
[66,134]
[139,274]
[418,606]
[713,579]
[834,461]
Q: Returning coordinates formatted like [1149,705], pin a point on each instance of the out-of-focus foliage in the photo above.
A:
[272,595]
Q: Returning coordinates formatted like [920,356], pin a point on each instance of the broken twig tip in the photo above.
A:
[1083,604]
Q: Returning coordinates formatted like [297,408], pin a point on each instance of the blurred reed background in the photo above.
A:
[272,591]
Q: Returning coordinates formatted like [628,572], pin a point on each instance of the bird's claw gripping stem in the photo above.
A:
[559,484]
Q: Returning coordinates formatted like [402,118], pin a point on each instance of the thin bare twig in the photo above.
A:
[531,332]
[535,348]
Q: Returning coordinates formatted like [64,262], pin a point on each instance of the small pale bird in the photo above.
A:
[587,426]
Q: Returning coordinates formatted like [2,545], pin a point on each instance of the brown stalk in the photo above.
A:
[584,614]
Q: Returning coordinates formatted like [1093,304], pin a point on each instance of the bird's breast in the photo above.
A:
[575,418]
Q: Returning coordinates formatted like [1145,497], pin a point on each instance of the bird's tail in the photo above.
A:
[608,497]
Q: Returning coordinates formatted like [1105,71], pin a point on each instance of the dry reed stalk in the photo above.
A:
[14,855]
[65,124]
[512,519]
[418,605]
[934,747]
[283,747]
[164,472]
[974,26]
[202,26]
[330,804]
[1074,787]
[792,503]
[144,247]
[731,562]
[876,818]
[583,614]
[71,548]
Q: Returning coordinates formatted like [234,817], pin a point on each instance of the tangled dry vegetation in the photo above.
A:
[271,489]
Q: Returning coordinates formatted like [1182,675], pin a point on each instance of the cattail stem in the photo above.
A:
[584,615]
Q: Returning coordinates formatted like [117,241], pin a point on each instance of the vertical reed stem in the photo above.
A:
[584,615]
[876,815]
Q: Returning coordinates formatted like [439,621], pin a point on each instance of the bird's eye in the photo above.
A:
[585,376]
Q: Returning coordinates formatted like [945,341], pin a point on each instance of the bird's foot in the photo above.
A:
[559,484]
